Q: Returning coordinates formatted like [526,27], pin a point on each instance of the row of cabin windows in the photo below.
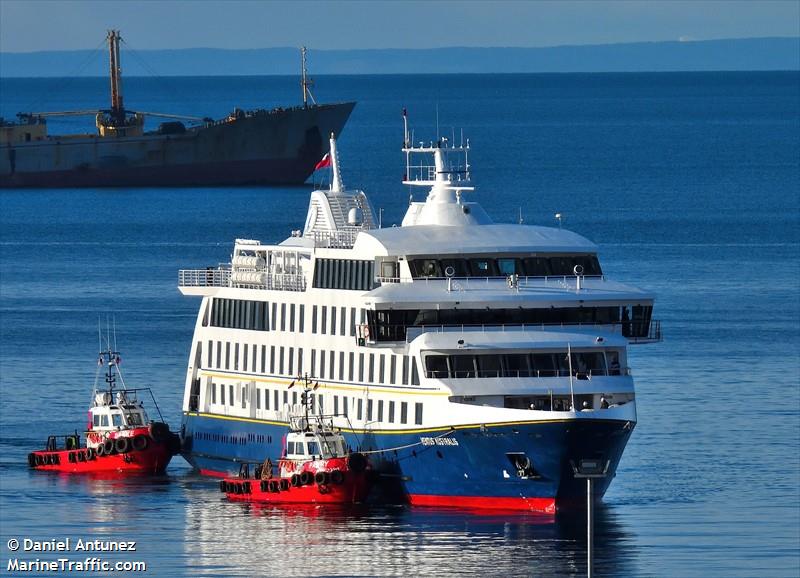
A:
[264,316]
[351,274]
[331,365]
[233,439]
[391,325]
[240,314]
[274,399]
[504,266]
[544,364]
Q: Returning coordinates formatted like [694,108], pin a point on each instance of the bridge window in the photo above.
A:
[531,266]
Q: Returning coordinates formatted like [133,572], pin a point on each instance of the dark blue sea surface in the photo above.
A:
[689,183]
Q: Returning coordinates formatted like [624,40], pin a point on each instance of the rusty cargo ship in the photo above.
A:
[277,146]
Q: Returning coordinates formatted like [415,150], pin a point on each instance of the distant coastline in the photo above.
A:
[752,54]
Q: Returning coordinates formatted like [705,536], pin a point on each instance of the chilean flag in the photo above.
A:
[325,162]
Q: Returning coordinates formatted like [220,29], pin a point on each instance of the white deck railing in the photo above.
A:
[221,277]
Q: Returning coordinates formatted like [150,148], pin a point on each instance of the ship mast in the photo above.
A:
[117,109]
[305,82]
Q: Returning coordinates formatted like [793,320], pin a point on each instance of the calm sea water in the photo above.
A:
[688,182]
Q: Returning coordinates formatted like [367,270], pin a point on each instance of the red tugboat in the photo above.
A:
[316,468]
[120,438]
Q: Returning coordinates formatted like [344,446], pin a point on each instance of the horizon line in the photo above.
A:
[418,49]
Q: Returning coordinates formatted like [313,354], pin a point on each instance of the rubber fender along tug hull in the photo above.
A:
[247,147]
[120,438]
[316,468]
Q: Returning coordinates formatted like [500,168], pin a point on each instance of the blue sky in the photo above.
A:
[29,25]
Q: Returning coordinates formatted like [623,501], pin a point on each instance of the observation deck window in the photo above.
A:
[585,364]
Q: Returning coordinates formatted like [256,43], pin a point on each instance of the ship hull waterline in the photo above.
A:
[472,470]
[270,148]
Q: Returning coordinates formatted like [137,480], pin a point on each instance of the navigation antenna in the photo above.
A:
[306,82]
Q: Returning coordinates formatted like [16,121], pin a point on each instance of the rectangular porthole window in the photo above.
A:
[313,363]
[227,355]
[418,413]
[344,405]
[299,361]
[333,320]
[391,412]
[280,361]
[342,321]
[291,317]
[213,393]
[351,366]
[403,412]
[219,354]
[369,410]
[209,354]
[324,324]
[331,364]
[392,369]
[272,359]
[382,369]
[283,316]
[341,366]
[230,396]
[291,361]
[274,315]
[244,358]
[380,410]
[236,357]
[359,411]
[360,367]
[405,370]
[352,322]
[335,405]
[314,319]
[371,367]
[302,318]
[244,397]
[222,394]
[277,400]
[322,364]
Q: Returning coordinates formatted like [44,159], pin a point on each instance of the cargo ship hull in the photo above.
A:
[281,146]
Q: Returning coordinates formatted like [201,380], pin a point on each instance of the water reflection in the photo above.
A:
[233,537]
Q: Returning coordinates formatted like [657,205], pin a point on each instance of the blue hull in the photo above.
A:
[473,466]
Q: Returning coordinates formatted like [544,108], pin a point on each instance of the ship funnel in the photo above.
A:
[336,183]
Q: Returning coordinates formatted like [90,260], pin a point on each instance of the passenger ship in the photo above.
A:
[476,363]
